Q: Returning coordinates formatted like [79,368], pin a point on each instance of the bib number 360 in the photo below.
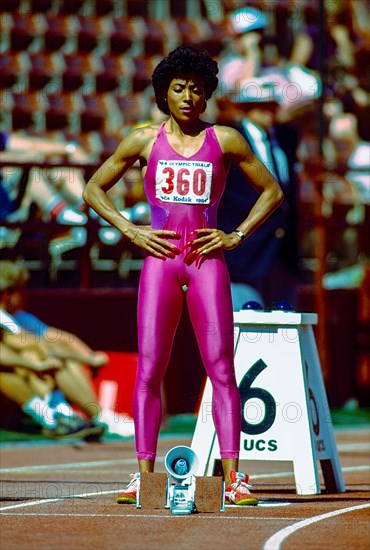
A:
[247,392]
[182,184]
[181,181]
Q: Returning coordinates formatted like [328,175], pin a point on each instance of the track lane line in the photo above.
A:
[52,500]
[138,516]
[127,461]
[276,540]
[67,465]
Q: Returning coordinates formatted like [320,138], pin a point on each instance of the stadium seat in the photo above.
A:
[189,31]
[59,33]
[11,67]
[25,29]
[133,107]
[42,70]
[108,77]
[28,111]
[62,111]
[137,8]
[109,143]
[155,36]
[41,6]
[78,67]
[93,113]
[105,7]
[9,5]
[143,69]
[213,41]
[71,7]
[90,32]
[122,36]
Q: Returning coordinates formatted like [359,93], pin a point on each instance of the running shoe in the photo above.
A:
[75,426]
[238,492]
[129,495]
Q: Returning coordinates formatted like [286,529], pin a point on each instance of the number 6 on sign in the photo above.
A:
[247,392]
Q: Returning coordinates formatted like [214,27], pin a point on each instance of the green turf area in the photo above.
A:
[350,417]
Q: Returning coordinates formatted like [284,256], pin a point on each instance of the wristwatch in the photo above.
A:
[240,234]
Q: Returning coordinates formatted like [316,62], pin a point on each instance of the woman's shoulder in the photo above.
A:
[144,133]
[138,140]
[226,134]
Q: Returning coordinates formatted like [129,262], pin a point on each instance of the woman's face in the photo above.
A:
[185,97]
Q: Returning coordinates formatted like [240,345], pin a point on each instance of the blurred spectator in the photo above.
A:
[346,192]
[274,106]
[57,192]
[349,153]
[242,62]
[265,267]
[27,378]
[340,48]
[242,58]
[11,358]
[74,381]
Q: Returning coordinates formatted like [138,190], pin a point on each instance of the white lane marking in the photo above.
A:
[276,540]
[86,495]
[68,465]
[352,447]
[362,468]
[267,504]
[139,515]
[51,500]
[123,461]
[347,469]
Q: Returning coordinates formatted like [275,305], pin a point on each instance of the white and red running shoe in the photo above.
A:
[238,492]
[129,495]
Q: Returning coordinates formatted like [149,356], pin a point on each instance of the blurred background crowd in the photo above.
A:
[75,77]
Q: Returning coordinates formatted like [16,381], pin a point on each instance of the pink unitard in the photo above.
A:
[184,193]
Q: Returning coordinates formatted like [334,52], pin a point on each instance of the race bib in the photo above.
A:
[183,181]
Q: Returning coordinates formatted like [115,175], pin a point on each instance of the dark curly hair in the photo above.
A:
[182,61]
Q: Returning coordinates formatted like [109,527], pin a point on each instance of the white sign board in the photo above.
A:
[285,414]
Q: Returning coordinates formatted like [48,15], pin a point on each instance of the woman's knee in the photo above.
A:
[222,375]
[149,379]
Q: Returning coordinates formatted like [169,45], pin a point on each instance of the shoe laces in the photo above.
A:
[241,486]
[135,480]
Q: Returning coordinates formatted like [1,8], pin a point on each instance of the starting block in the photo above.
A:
[209,495]
[152,494]
[285,413]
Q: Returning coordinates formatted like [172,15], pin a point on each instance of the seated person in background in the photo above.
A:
[28,378]
[74,381]
[34,359]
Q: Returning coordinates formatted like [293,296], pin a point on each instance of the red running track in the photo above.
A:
[62,496]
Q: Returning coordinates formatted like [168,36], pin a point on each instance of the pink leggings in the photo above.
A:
[161,298]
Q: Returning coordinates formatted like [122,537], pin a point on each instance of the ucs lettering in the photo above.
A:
[260,445]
